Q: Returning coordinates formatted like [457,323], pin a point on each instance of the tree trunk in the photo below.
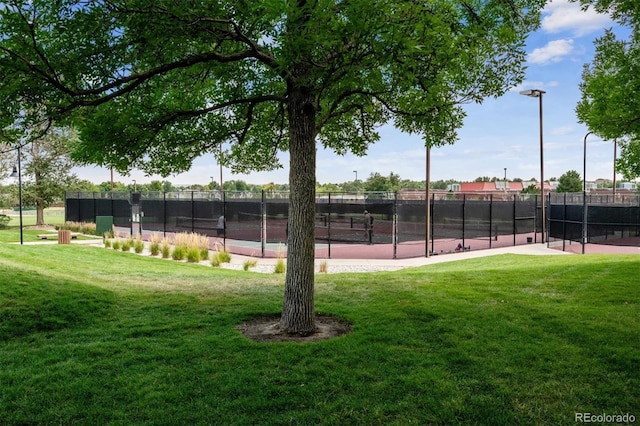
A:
[298,313]
[39,212]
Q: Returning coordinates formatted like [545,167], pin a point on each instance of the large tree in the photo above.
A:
[155,84]
[609,106]
[46,166]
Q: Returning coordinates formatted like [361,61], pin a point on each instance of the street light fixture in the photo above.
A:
[536,93]
[17,172]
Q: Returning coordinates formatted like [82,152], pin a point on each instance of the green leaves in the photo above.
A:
[155,84]
[608,105]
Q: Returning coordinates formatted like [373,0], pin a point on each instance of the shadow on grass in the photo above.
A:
[32,303]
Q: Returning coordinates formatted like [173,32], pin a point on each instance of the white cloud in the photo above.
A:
[554,51]
[563,130]
[560,15]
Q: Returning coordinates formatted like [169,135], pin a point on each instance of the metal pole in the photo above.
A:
[20,193]
[584,192]
[615,148]
[428,202]
[220,162]
[544,217]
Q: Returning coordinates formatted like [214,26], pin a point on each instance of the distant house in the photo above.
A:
[491,187]
[628,186]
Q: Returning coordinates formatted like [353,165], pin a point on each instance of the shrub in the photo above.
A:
[154,248]
[249,263]
[224,256]
[126,245]
[165,249]
[4,221]
[117,244]
[215,260]
[324,266]
[107,243]
[203,244]
[280,267]
[193,255]
[81,227]
[138,245]
[178,253]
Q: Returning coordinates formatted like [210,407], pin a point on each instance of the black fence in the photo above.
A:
[594,219]
[256,223]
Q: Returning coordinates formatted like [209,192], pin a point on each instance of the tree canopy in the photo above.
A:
[570,182]
[154,85]
[609,105]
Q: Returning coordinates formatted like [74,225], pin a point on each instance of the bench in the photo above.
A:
[74,235]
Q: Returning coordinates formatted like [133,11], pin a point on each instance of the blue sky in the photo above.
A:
[500,133]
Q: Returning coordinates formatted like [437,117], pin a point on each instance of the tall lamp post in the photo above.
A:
[356,172]
[536,93]
[584,192]
[18,173]
[505,179]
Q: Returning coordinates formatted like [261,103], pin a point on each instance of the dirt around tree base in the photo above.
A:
[267,329]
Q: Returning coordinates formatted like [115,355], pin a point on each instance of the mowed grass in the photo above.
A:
[93,336]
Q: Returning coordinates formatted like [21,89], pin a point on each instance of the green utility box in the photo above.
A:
[104,224]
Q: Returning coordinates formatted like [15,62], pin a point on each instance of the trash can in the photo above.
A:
[64,236]
[529,240]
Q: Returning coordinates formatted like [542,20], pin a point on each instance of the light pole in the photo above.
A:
[615,148]
[584,192]
[356,172]
[18,173]
[536,93]
[505,179]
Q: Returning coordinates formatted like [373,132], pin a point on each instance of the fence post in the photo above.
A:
[394,225]
[431,205]
[515,228]
[329,227]
[164,214]
[491,221]
[464,208]
[223,196]
[263,220]
[193,213]
[564,221]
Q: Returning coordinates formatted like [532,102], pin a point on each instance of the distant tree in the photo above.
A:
[75,184]
[412,184]
[117,186]
[46,170]
[531,189]
[167,186]
[570,182]
[443,184]
[379,183]
[236,185]
[155,186]
[329,187]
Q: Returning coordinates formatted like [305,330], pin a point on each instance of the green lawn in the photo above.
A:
[92,336]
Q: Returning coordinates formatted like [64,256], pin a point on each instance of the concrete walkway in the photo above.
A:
[371,265]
